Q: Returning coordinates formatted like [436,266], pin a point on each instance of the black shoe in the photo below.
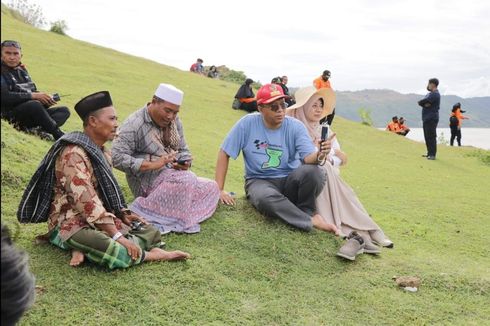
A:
[432,158]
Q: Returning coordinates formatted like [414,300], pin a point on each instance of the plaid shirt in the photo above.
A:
[140,139]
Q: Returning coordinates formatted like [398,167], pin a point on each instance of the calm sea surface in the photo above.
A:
[477,137]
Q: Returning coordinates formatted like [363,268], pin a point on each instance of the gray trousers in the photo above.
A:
[292,199]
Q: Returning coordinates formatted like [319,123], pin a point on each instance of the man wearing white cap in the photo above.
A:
[152,151]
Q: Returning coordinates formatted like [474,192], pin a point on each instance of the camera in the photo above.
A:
[56,97]
[324,132]
[136,225]
[182,161]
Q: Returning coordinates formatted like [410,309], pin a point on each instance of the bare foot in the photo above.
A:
[160,254]
[320,224]
[77,258]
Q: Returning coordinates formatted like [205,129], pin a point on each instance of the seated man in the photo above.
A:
[75,190]
[22,104]
[393,125]
[402,127]
[152,151]
[274,147]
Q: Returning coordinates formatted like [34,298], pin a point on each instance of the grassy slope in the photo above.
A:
[246,269]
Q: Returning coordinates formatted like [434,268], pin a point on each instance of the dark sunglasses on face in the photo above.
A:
[276,106]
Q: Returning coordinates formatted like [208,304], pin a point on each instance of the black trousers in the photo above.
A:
[430,135]
[32,114]
[455,133]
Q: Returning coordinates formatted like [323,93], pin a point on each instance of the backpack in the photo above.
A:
[453,121]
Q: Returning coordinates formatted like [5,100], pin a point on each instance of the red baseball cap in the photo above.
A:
[269,93]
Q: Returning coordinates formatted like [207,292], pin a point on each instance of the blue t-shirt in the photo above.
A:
[268,153]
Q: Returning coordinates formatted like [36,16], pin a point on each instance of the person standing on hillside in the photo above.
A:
[22,104]
[430,117]
[152,151]
[75,190]
[455,123]
[274,148]
[324,82]
[197,67]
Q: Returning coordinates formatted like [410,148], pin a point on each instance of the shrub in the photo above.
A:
[59,27]
[365,115]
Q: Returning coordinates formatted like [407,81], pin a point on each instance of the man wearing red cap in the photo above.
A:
[281,172]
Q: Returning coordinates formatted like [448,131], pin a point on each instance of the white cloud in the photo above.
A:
[366,44]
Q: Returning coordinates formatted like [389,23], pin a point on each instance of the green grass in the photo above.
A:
[246,269]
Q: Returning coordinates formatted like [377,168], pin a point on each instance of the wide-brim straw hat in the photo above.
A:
[302,96]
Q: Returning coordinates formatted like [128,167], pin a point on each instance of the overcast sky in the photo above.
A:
[365,44]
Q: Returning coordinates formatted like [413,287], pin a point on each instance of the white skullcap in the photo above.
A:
[169,93]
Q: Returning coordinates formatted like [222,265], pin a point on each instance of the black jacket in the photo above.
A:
[16,85]
[244,91]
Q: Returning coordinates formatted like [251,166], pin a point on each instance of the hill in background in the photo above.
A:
[385,104]
[247,269]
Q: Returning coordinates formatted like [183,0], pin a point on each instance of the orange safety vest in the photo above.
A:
[393,127]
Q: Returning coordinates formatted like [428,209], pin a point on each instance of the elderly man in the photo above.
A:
[75,190]
[282,179]
[152,151]
[22,104]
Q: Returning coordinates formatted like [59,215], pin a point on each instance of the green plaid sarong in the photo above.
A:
[102,250]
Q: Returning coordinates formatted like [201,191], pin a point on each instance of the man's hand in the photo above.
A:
[134,251]
[159,163]
[226,198]
[128,218]
[44,98]
[185,166]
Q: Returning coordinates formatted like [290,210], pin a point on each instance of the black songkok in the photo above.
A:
[93,102]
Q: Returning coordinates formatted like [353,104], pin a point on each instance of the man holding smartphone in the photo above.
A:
[152,151]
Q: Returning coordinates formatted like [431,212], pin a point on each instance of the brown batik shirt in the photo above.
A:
[76,203]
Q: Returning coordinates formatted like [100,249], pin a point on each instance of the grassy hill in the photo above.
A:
[385,103]
[248,270]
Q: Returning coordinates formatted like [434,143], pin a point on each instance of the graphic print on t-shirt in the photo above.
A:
[274,155]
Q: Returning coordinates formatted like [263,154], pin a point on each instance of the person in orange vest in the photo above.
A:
[403,130]
[324,82]
[393,126]
[455,123]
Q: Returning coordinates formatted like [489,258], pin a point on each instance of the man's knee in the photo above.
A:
[310,173]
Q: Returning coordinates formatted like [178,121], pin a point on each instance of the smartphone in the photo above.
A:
[324,132]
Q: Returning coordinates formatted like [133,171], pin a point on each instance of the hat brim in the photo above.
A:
[272,99]
[302,96]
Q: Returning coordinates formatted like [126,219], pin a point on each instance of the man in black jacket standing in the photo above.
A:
[430,117]
[22,104]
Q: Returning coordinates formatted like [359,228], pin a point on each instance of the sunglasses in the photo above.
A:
[11,43]
[276,106]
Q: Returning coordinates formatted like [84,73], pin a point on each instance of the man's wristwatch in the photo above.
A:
[116,236]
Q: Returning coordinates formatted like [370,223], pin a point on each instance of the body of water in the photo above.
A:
[476,137]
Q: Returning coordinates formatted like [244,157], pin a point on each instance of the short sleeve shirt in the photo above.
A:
[268,153]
